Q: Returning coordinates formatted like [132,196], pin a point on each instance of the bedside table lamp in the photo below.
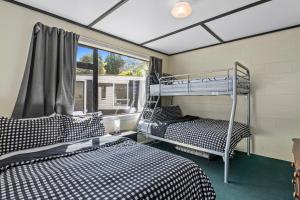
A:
[117,126]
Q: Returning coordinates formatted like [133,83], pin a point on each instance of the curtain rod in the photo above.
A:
[109,47]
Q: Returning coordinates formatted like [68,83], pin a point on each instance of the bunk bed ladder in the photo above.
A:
[149,106]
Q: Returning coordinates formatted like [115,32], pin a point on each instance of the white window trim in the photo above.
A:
[122,116]
[119,50]
[84,94]
[127,95]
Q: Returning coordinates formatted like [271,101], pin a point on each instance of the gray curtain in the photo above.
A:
[155,71]
[155,66]
[49,78]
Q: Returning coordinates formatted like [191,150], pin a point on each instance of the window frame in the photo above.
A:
[84,95]
[115,94]
[95,68]
[104,86]
[103,93]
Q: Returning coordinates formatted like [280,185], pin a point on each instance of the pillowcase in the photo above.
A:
[164,113]
[172,112]
[82,126]
[16,134]
[168,80]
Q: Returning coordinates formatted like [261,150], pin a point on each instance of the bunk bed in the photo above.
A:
[217,137]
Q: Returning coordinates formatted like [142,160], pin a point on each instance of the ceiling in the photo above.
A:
[149,23]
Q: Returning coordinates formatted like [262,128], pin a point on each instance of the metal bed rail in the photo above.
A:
[239,71]
[242,73]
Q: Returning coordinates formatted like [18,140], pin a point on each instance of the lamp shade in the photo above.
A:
[117,125]
[181,9]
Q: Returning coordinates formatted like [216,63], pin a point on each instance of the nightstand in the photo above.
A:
[296,166]
[129,134]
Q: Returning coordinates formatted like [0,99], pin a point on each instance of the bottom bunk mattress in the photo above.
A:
[205,133]
[119,168]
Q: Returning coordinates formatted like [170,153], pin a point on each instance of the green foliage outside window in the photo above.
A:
[116,64]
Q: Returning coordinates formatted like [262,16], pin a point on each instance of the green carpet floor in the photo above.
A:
[251,178]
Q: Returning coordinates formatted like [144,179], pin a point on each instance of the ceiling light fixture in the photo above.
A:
[181,9]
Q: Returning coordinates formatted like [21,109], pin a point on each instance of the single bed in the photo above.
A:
[112,168]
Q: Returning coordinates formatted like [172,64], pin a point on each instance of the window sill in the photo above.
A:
[121,116]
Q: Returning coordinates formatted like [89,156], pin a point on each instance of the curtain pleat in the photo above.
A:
[155,72]
[49,78]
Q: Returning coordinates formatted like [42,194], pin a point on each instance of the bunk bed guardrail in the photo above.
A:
[206,78]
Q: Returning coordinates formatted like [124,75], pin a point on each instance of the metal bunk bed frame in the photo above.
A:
[239,71]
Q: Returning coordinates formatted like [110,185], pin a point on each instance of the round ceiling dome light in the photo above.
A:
[181,9]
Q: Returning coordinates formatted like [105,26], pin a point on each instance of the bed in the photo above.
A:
[200,132]
[102,167]
[202,135]
[206,133]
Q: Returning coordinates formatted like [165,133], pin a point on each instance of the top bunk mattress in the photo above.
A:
[198,86]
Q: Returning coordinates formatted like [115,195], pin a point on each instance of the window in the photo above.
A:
[79,96]
[84,95]
[85,55]
[121,97]
[103,88]
[109,82]
[103,92]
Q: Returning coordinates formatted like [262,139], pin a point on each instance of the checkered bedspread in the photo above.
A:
[119,170]
[207,133]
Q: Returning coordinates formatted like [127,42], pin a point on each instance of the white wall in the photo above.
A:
[16,28]
[274,62]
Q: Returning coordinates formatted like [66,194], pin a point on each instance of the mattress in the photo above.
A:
[198,86]
[207,133]
[118,169]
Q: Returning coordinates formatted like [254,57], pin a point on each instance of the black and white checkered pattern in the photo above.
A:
[168,80]
[207,133]
[164,113]
[18,134]
[123,171]
[82,126]
[172,112]
[148,112]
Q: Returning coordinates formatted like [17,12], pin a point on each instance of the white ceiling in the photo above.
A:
[143,20]
[266,17]
[185,40]
[140,21]
[81,11]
